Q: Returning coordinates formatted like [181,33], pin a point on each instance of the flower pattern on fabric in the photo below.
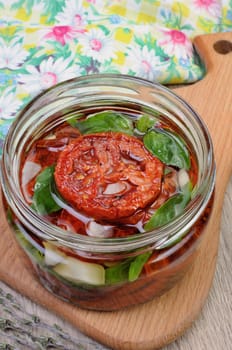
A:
[45,42]
[72,14]
[9,104]
[144,63]
[176,43]
[62,34]
[212,7]
[12,54]
[98,45]
[49,73]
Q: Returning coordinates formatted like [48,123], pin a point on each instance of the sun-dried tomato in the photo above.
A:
[108,175]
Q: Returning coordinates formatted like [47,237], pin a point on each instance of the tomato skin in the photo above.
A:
[71,223]
[91,166]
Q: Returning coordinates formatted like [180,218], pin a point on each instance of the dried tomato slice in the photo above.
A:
[70,223]
[108,175]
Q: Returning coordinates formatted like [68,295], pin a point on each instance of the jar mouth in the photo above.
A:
[101,91]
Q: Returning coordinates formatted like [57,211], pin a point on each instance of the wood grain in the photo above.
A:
[212,330]
[160,321]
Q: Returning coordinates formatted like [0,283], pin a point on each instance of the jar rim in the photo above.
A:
[158,238]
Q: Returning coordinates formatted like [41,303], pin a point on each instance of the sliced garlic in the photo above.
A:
[50,137]
[183,178]
[115,188]
[96,230]
[30,170]
[80,271]
[52,255]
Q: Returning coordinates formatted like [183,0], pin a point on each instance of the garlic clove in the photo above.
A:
[80,271]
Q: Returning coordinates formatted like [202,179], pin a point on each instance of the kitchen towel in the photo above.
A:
[45,42]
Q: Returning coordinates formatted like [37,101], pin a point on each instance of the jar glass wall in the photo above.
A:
[107,273]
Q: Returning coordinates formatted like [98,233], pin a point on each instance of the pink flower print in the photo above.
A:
[95,44]
[212,7]
[146,66]
[98,4]
[176,43]
[77,20]
[48,79]
[72,14]
[63,34]
[12,54]
[144,63]
[48,73]
[98,45]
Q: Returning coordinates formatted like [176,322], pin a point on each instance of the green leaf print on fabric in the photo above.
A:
[27,4]
[52,8]
[46,42]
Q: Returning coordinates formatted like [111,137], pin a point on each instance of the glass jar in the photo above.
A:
[168,251]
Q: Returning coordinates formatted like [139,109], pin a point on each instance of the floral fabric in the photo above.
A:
[45,42]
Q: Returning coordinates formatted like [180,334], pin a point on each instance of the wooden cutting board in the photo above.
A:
[154,324]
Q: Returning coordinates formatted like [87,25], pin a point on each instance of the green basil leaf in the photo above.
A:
[172,208]
[168,147]
[128,269]
[42,200]
[137,265]
[105,121]
[118,273]
[144,123]
[72,119]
